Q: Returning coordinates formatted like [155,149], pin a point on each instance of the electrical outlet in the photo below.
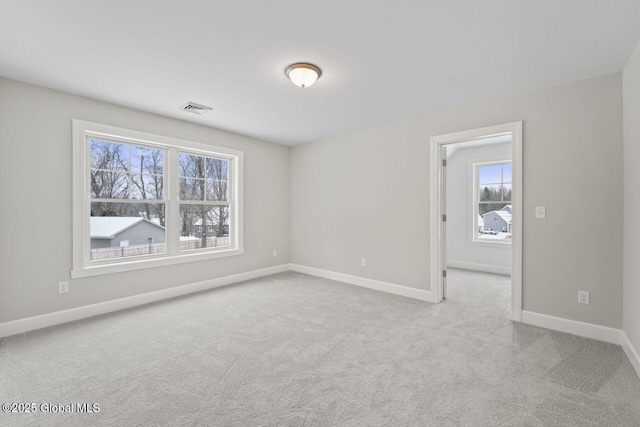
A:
[275,253]
[583,297]
[363,262]
[63,287]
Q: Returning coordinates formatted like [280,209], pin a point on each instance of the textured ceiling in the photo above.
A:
[382,61]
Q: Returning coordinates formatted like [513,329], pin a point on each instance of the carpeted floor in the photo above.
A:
[295,350]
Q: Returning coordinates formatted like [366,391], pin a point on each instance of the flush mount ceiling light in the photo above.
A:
[303,74]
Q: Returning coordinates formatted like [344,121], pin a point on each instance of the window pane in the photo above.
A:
[494,193]
[494,222]
[216,190]
[494,174]
[488,193]
[121,230]
[484,208]
[506,192]
[507,172]
[116,167]
[192,166]
[109,185]
[490,174]
[147,160]
[109,155]
[203,178]
[146,187]
[203,226]
[217,168]
[217,176]
[192,188]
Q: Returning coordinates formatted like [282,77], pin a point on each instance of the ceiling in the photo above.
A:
[381,61]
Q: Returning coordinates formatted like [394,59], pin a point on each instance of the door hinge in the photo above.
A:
[444,218]
[444,273]
[444,162]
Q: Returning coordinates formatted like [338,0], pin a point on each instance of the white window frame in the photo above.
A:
[473,232]
[81,264]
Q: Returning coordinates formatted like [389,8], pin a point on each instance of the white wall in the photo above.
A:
[35,194]
[365,194]
[358,195]
[461,250]
[631,291]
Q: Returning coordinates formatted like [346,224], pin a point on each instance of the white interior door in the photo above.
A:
[444,221]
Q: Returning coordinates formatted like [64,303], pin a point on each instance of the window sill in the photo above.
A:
[142,263]
[490,243]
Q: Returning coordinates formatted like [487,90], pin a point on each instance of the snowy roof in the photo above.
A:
[210,221]
[506,215]
[107,227]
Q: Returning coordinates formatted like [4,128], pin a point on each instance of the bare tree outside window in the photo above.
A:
[127,186]
[122,171]
[204,195]
[147,166]
[130,187]
[109,179]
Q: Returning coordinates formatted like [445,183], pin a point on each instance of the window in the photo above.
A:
[204,201]
[144,200]
[492,202]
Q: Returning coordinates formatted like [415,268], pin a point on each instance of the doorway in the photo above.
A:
[492,208]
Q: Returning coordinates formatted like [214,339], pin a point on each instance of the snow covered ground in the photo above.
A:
[499,236]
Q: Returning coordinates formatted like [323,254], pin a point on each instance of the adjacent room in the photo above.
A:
[324,214]
[478,193]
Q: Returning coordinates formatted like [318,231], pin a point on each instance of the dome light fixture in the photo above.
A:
[303,74]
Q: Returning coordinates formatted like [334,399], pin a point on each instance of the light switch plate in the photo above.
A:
[541,212]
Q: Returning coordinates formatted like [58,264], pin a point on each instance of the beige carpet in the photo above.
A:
[295,350]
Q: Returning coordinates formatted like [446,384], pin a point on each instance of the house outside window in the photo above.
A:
[156,193]
[492,202]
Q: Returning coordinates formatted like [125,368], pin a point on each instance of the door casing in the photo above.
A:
[437,232]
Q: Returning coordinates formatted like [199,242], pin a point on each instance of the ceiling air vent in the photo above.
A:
[194,108]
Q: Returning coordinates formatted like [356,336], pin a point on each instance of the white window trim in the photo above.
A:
[474,240]
[82,267]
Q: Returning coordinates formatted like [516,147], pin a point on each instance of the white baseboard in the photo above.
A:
[51,319]
[479,267]
[64,316]
[631,353]
[391,288]
[587,330]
